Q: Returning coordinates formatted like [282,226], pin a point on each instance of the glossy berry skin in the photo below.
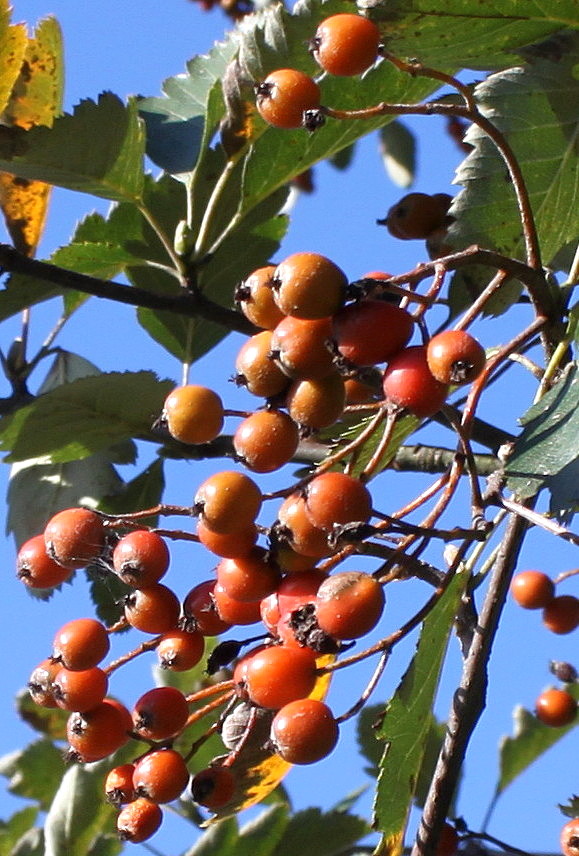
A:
[301,347]
[160,713]
[278,674]
[455,357]
[298,529]
[161,776]
[250,577]
[213,787]
[194,414]
[139,820]
[141,558]
[228,501]
[256,370]
[349,604]
[180,650]
[304,731]
[336,498]
[309,286]
[36,569]
[284,95]
[532,589]
[266,440]
[228,545]
[81,644]
[371,331]
[561,614]
[74,536]
[316,404]
[570,838]
[119,785]
[199,607]
[345,44]
[255,298]
[417,215]
[98,732]
[409,383]
[556,708]
[234,611]
[80,691]
[155,609]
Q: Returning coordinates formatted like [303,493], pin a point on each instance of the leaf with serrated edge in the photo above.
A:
[85,417]
[530,740]
[407,721]
[335,832]
[110,130]
[34,772]
[13,40]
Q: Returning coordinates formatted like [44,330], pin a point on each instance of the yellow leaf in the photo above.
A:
[257,769]
[392,845]
[35,99]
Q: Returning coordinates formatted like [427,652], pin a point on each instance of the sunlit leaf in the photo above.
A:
[48,721]
[35,100]
[34,772]
[13,40]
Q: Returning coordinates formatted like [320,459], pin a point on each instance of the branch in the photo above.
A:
[189,304]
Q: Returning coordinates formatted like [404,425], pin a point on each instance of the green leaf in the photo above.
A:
[219,840]
[12,830]
[31,844]
[48,721]
[468,33]
[536,108]
[108,593]
[398,149]
[79,816]
[144,491]
[335,831]
[545,453]
[261,836]
[34,772]
[408,720]
[108,129]
[85,417]
[530,740]
[19,292]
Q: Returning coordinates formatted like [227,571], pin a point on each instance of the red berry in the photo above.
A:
[266,440]
[570,838]
[349,604]
[556,708]
[248,578]
[75,536]
[334,498]
[161,776]
[278,674]
[199,607]
[119,785]
[98,732]
[284,95]
[180,650]
[296,526]
[139,820]
[141,558]
[302,347]
[35,567]
[213,787]
[160,713]
[234,611]
[80,691]
[155,609]
[255,298]
[228,545]
[371,331]
[455,357]
[81,644]
[532,589]
[409,383]
[228,501]
[304,731]
[448,841]
[561,614]
[346,44]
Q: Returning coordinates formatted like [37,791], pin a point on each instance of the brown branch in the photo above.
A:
[188,303]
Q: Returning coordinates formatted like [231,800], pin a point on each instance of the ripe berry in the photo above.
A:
[141,558]
[455,357]
[255,298]
[409,383]
[228,545]
[284,95]
[79,691]
[309,286]
[155,609]
[35,567]
[248,578]
[119,785]
[98,732]
[160,713]
[278,674]
[194,414]
[161,776]
[228,501]
[345,44]
[417,215]
[234,611]
[266,440]
[302,347]
[180,650]
[317,404]
[199,607]
[297,528]
[213,787]
[40,683]
[570,838]
[304,731]
[74,536]
[334,498]
[561,614]
[81,644]
[532,589]
[556,708]
[139,820]
[371,331]
[349,604]
[256,370]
